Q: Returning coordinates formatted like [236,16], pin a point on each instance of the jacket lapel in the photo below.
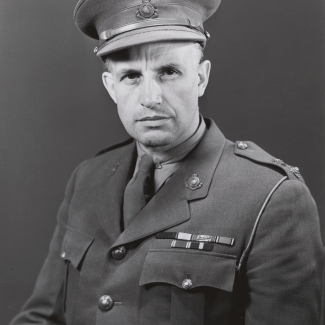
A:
[203,160]
[169,207]
[111,192]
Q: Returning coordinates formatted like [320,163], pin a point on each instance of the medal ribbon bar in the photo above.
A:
[197,238]
[191,245]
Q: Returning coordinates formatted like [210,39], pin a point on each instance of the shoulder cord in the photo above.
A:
[250,242]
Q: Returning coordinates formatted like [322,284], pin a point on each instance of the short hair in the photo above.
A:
[125,53]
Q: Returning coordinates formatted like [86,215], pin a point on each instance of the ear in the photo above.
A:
[203,73]
[108,82]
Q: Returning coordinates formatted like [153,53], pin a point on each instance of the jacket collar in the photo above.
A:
[169,206]
[203,160]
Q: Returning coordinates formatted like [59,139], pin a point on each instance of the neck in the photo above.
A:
[188,133]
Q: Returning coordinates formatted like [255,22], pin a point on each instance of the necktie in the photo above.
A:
[139,190]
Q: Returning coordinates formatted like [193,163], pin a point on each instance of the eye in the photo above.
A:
[131,76]
[168,72]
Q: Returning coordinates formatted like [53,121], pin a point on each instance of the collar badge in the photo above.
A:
[193,182]
[147,10]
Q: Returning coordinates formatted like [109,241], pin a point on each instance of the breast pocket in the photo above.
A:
[177,280]
[74,248]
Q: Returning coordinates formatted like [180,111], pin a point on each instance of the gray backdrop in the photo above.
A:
[267,85]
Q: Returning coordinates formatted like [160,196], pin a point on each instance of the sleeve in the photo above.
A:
[284,267]
[45,305]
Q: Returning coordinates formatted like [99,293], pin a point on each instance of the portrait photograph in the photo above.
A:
[162,162]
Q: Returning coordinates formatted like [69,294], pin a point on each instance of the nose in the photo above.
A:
[150,93]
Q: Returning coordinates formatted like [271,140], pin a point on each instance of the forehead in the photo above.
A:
[155,52]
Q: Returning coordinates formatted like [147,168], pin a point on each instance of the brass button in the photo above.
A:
[105,303]
[187,284]
[62,255]
[119,253]
[242,145]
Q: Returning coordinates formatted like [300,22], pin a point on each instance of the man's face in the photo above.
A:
[156,89]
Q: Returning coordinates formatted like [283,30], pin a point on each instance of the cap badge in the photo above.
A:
[147,10]
[193,182]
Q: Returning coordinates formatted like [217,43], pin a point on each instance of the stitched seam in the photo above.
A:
[77,298]
[175,250]
[79,4]
[78,232]
[151,233]
[250,242]
[124,9]
[173,4]
[183,5]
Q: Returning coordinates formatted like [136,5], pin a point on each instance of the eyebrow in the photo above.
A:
[169,66]
[127,71]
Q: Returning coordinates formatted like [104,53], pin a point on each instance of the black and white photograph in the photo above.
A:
[162,162]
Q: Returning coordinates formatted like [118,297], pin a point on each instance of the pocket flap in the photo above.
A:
[75,245]
[174,266]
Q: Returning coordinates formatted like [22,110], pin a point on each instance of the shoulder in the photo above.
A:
[251,152]
[114,146]
[106,161]
[113,153]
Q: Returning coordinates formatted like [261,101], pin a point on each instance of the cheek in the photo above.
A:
[182,95]
[123,94]
[122,109]
[184,85]
[125,115]
[126,99]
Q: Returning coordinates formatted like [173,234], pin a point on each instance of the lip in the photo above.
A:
[154,121]
[153,118]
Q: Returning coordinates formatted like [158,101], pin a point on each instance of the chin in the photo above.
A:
[155,143]
[156,140]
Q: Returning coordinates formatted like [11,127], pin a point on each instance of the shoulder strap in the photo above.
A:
[253,152]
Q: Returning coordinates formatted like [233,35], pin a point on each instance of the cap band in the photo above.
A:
[110,33]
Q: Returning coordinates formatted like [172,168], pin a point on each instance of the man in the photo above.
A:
[179,225]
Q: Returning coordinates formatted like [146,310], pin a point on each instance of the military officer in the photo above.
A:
[176,225]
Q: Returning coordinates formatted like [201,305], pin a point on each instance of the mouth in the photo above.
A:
[153,118]
[155,121]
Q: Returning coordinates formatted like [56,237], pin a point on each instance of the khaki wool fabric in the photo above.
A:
[278,283]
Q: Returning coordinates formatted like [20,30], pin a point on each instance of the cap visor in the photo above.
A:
[149,35]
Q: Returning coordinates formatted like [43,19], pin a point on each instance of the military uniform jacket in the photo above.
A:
[269,275]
